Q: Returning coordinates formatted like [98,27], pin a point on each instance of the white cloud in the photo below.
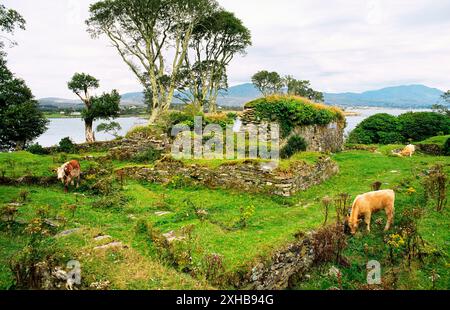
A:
[340,45]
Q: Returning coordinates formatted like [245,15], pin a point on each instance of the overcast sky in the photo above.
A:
[340,45]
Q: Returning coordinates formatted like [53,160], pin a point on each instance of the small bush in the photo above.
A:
[446,149]
[328,244]
[436,184]
[150,155]
[246,213]
[66,146]
[143,132]
[294,145]
[342,205]
[232,115]
[37,149]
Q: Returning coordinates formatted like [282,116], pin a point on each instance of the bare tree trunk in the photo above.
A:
[154,114]
[90,137]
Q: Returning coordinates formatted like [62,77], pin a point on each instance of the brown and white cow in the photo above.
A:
[69,173]
[372,202]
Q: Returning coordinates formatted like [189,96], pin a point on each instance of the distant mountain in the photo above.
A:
[407,96]
[52,103]
[133,98]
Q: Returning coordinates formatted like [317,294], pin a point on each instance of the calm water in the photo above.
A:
[74,127]
[59,128]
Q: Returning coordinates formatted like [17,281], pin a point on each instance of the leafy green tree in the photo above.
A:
[446,96]
[111,128]
[216,39]
[10,20]
[268,83]
[21,121]
[152,37]
[423,125]
[105,106]
[302,88]
[380,128]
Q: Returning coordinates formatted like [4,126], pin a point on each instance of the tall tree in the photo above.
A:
[268,83]
[105,106]
[216,39]
[446,96]
[302,88]
[152,37]
[10,20]
[21,121]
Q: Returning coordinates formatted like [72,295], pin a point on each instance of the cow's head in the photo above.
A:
[351,226]
[61,173]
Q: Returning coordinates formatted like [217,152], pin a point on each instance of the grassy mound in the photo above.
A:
[293,111]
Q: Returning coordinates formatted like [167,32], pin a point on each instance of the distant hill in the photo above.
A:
[52,103]
[235,96]
[406,96]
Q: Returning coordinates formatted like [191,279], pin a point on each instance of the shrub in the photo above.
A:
[423,125]
[435,184]
[149,155]
[328,244]
[232,115]
[326,203]
[143,132]
[169,119]
[180,181]
[246,213]
[380,128]
[32,265]
[66,146]
[294,145]
[37,149]
[446,149]
[342,204]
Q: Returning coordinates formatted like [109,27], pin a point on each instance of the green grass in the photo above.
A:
[17,164]
[272,226]
[131,268]
[440,140]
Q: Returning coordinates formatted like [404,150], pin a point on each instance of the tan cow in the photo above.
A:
[372,202]
[408,151]
[68,173]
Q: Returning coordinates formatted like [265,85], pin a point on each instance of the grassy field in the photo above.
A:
[269,223]
[440,140]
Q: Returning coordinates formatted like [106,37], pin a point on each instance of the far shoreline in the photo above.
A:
[348,112]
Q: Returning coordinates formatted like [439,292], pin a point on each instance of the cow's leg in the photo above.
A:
[367,218]
[78,181]
[389,219]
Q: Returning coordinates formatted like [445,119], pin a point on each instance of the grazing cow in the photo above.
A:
[376,186]
[408,151]
[68,173]
[372,202]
